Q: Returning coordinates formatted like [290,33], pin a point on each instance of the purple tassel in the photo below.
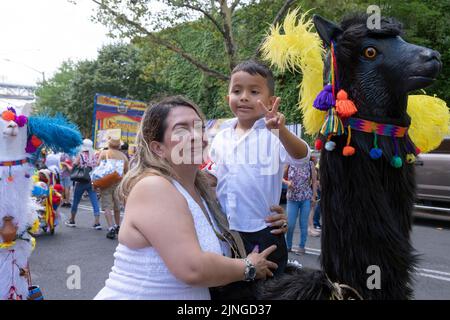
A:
[30,148]
[325,100]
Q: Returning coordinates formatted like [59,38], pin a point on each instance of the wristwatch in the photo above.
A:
[250,270]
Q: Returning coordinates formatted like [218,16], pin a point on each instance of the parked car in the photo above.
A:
[433,176]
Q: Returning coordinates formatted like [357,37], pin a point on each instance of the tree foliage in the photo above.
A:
[119,70]
[189,53]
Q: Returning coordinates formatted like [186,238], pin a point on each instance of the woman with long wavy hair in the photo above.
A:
[174,242]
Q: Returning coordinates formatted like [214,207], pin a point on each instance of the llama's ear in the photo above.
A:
[327,30]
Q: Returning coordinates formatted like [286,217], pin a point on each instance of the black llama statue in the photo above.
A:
[367,196]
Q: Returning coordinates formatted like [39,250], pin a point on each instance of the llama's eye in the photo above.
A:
[370,52]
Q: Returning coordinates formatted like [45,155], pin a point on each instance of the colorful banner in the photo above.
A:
[117,113]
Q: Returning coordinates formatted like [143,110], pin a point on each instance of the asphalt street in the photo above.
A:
[75,262]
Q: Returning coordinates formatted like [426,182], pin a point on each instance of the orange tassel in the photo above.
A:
[344,107]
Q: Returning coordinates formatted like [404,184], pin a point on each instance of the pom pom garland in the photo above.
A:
[318,144]
[330,145]
[396,162]
[375,153]
[348,151]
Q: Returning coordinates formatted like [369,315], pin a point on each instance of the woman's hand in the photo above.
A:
[278,219]
[262,265]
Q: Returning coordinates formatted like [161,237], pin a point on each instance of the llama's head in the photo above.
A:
[13,132]
[377,67]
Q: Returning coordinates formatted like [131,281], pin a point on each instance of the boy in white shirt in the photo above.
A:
[250,153]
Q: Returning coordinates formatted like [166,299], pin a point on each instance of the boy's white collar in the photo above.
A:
[260,123]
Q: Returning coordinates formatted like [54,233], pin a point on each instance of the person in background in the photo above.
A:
[86,158]
[315,227]
[124,149]
[66,169]
[301,184]
[108,198]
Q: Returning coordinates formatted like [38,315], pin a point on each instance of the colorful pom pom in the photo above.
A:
[410,158]
[21,120]
[344,107]
[318,144]
[396,162]
[8,115]
[324,99]
[375,153]
[348,151]
[330,145]
[418,151]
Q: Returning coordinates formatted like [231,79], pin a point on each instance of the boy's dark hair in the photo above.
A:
[255,67]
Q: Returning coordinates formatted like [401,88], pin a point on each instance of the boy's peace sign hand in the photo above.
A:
[273,118]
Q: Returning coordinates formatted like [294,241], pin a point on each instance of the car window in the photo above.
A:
[443,148]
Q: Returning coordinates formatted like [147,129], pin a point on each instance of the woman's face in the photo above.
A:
[184,141]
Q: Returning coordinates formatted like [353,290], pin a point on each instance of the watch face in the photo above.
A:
[252,272]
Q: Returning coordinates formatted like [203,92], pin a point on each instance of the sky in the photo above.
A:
[41,34]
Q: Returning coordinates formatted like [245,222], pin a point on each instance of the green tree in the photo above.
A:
[119,70]
[138,18]
[53,94]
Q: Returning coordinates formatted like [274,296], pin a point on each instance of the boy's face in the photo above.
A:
[244,92]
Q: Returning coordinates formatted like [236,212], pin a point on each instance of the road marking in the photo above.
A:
[429,273]
[82,206]
[434,271]
[433,276]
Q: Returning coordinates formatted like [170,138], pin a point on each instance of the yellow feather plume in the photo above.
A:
[299,49]
[430,121]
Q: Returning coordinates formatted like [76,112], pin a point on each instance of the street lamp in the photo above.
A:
[42,73]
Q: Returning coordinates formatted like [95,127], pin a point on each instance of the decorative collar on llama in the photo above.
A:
[339,121]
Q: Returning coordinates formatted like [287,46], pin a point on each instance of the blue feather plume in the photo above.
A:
[57,133]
